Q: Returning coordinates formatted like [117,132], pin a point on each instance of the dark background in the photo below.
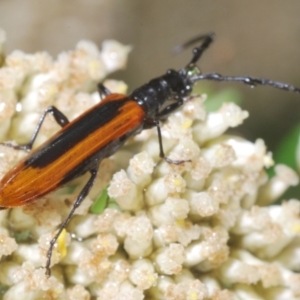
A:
[258,37]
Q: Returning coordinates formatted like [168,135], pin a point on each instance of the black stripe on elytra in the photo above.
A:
[80,128]
[94,159]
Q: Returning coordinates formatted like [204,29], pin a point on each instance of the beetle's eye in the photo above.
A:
[192,70]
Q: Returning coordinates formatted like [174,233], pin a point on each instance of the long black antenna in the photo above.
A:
[252,81]
[198,51]
[207,39]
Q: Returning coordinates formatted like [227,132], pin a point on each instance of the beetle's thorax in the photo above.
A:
[152,96]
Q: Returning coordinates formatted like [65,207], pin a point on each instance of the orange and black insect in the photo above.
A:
[83,143]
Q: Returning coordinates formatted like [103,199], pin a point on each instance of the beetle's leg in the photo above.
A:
[252,81]
[77,203]
[161,150]
[59,117]
[103,91]
[163,115]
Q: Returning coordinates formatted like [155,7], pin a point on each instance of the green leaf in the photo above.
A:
[3,289]
[100,203]
[287,150]
[288,153]
[215,101]
[22,236]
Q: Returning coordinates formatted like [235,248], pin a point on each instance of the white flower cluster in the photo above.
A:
[205,229]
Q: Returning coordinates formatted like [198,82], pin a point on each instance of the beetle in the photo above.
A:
[80,145]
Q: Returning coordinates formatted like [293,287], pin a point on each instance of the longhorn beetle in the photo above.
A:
[80,145]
